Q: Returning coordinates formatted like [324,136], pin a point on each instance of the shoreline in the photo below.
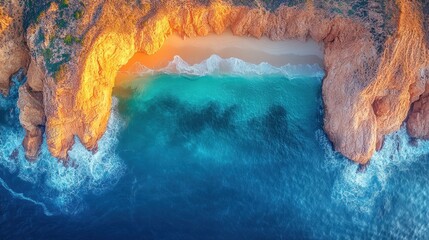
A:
[251,50]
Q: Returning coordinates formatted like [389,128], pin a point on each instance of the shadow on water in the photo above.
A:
[205,170]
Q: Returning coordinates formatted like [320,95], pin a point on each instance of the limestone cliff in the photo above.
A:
[375,60]
[418,121]
[374,101]
[14,53]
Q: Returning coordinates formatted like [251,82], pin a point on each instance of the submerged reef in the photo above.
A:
[376,60]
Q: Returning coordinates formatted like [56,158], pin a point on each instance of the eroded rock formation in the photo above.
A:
[14,54]
[418,121]
[32,114]
[370,102]
[77,47]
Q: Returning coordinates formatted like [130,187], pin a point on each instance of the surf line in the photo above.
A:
[23,197]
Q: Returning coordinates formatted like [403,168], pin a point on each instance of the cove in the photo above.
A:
[222,155]
[244,156]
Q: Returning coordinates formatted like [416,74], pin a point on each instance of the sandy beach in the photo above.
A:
[252,50]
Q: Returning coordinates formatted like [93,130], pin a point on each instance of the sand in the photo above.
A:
[252,50]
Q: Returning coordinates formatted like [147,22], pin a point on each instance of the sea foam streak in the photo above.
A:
[217,65]
[50,184]
[23,197]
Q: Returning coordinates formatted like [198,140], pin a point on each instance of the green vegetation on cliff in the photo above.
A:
[69,40]
[33,10]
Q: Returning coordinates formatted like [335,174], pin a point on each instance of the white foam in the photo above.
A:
[57,187]
[234,66]
[9,102]
[358,191]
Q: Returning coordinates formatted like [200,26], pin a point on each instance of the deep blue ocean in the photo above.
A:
[237,154]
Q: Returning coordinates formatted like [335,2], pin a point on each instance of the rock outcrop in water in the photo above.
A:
[376,62]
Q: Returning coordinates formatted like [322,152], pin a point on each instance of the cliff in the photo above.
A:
[376,62]
[14,54]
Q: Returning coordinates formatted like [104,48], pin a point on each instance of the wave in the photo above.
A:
[359,191]
[48,183]
[234,66]
[10,101]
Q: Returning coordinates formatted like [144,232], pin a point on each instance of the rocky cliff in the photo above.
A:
[14,54]
[376,60]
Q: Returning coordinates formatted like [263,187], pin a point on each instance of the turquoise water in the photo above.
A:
[216,155]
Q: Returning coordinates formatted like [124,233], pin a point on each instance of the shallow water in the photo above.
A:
[232,155]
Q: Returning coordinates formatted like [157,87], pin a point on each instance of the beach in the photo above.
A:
[251,50]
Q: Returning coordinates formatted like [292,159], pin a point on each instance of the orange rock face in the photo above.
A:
[32,142]
[375,104]
[14,55]
[418,120]
[32,118]
[13,51]
[350,57]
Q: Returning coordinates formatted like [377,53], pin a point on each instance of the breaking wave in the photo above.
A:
[359,191]
[217,65]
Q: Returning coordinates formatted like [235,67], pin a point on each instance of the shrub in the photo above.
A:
[47,53]
[78,14]
[68,40]
[64,4]
[62,23]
